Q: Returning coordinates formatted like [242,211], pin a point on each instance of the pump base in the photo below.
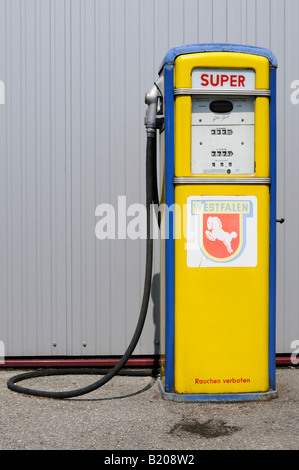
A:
[210,397]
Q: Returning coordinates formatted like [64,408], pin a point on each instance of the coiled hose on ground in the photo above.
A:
[151,196]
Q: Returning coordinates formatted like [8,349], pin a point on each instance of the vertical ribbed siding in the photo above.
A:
[289,125]
[72,137]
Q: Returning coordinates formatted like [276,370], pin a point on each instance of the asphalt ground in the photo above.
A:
[129,414]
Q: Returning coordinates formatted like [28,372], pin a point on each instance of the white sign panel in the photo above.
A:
[224,79]
[221,231]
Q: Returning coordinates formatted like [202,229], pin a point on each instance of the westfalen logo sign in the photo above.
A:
[221,231]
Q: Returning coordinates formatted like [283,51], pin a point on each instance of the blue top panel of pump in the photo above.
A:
[173,53]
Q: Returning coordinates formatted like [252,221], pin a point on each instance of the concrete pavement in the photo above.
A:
[128,413]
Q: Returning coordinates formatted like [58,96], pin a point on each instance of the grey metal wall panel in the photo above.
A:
[72,137]
[288,124]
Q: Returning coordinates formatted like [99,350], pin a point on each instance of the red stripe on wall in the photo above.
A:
[100,362]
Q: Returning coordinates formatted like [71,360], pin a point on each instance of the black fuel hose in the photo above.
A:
[11,383]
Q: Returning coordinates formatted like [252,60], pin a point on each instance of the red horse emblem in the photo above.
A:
[216,232]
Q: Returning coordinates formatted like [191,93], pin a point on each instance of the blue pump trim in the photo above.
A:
[173,53]
[169,242]
[272,267]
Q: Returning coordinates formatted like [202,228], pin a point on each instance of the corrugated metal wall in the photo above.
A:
[72,137]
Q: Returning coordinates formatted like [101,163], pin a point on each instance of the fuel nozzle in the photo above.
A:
[154,113]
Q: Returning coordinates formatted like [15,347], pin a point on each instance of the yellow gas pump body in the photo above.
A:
[221,240]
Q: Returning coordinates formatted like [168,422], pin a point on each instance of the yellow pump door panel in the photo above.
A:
[222,226]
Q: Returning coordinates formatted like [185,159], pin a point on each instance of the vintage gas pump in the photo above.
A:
[218,154]
[215,108]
